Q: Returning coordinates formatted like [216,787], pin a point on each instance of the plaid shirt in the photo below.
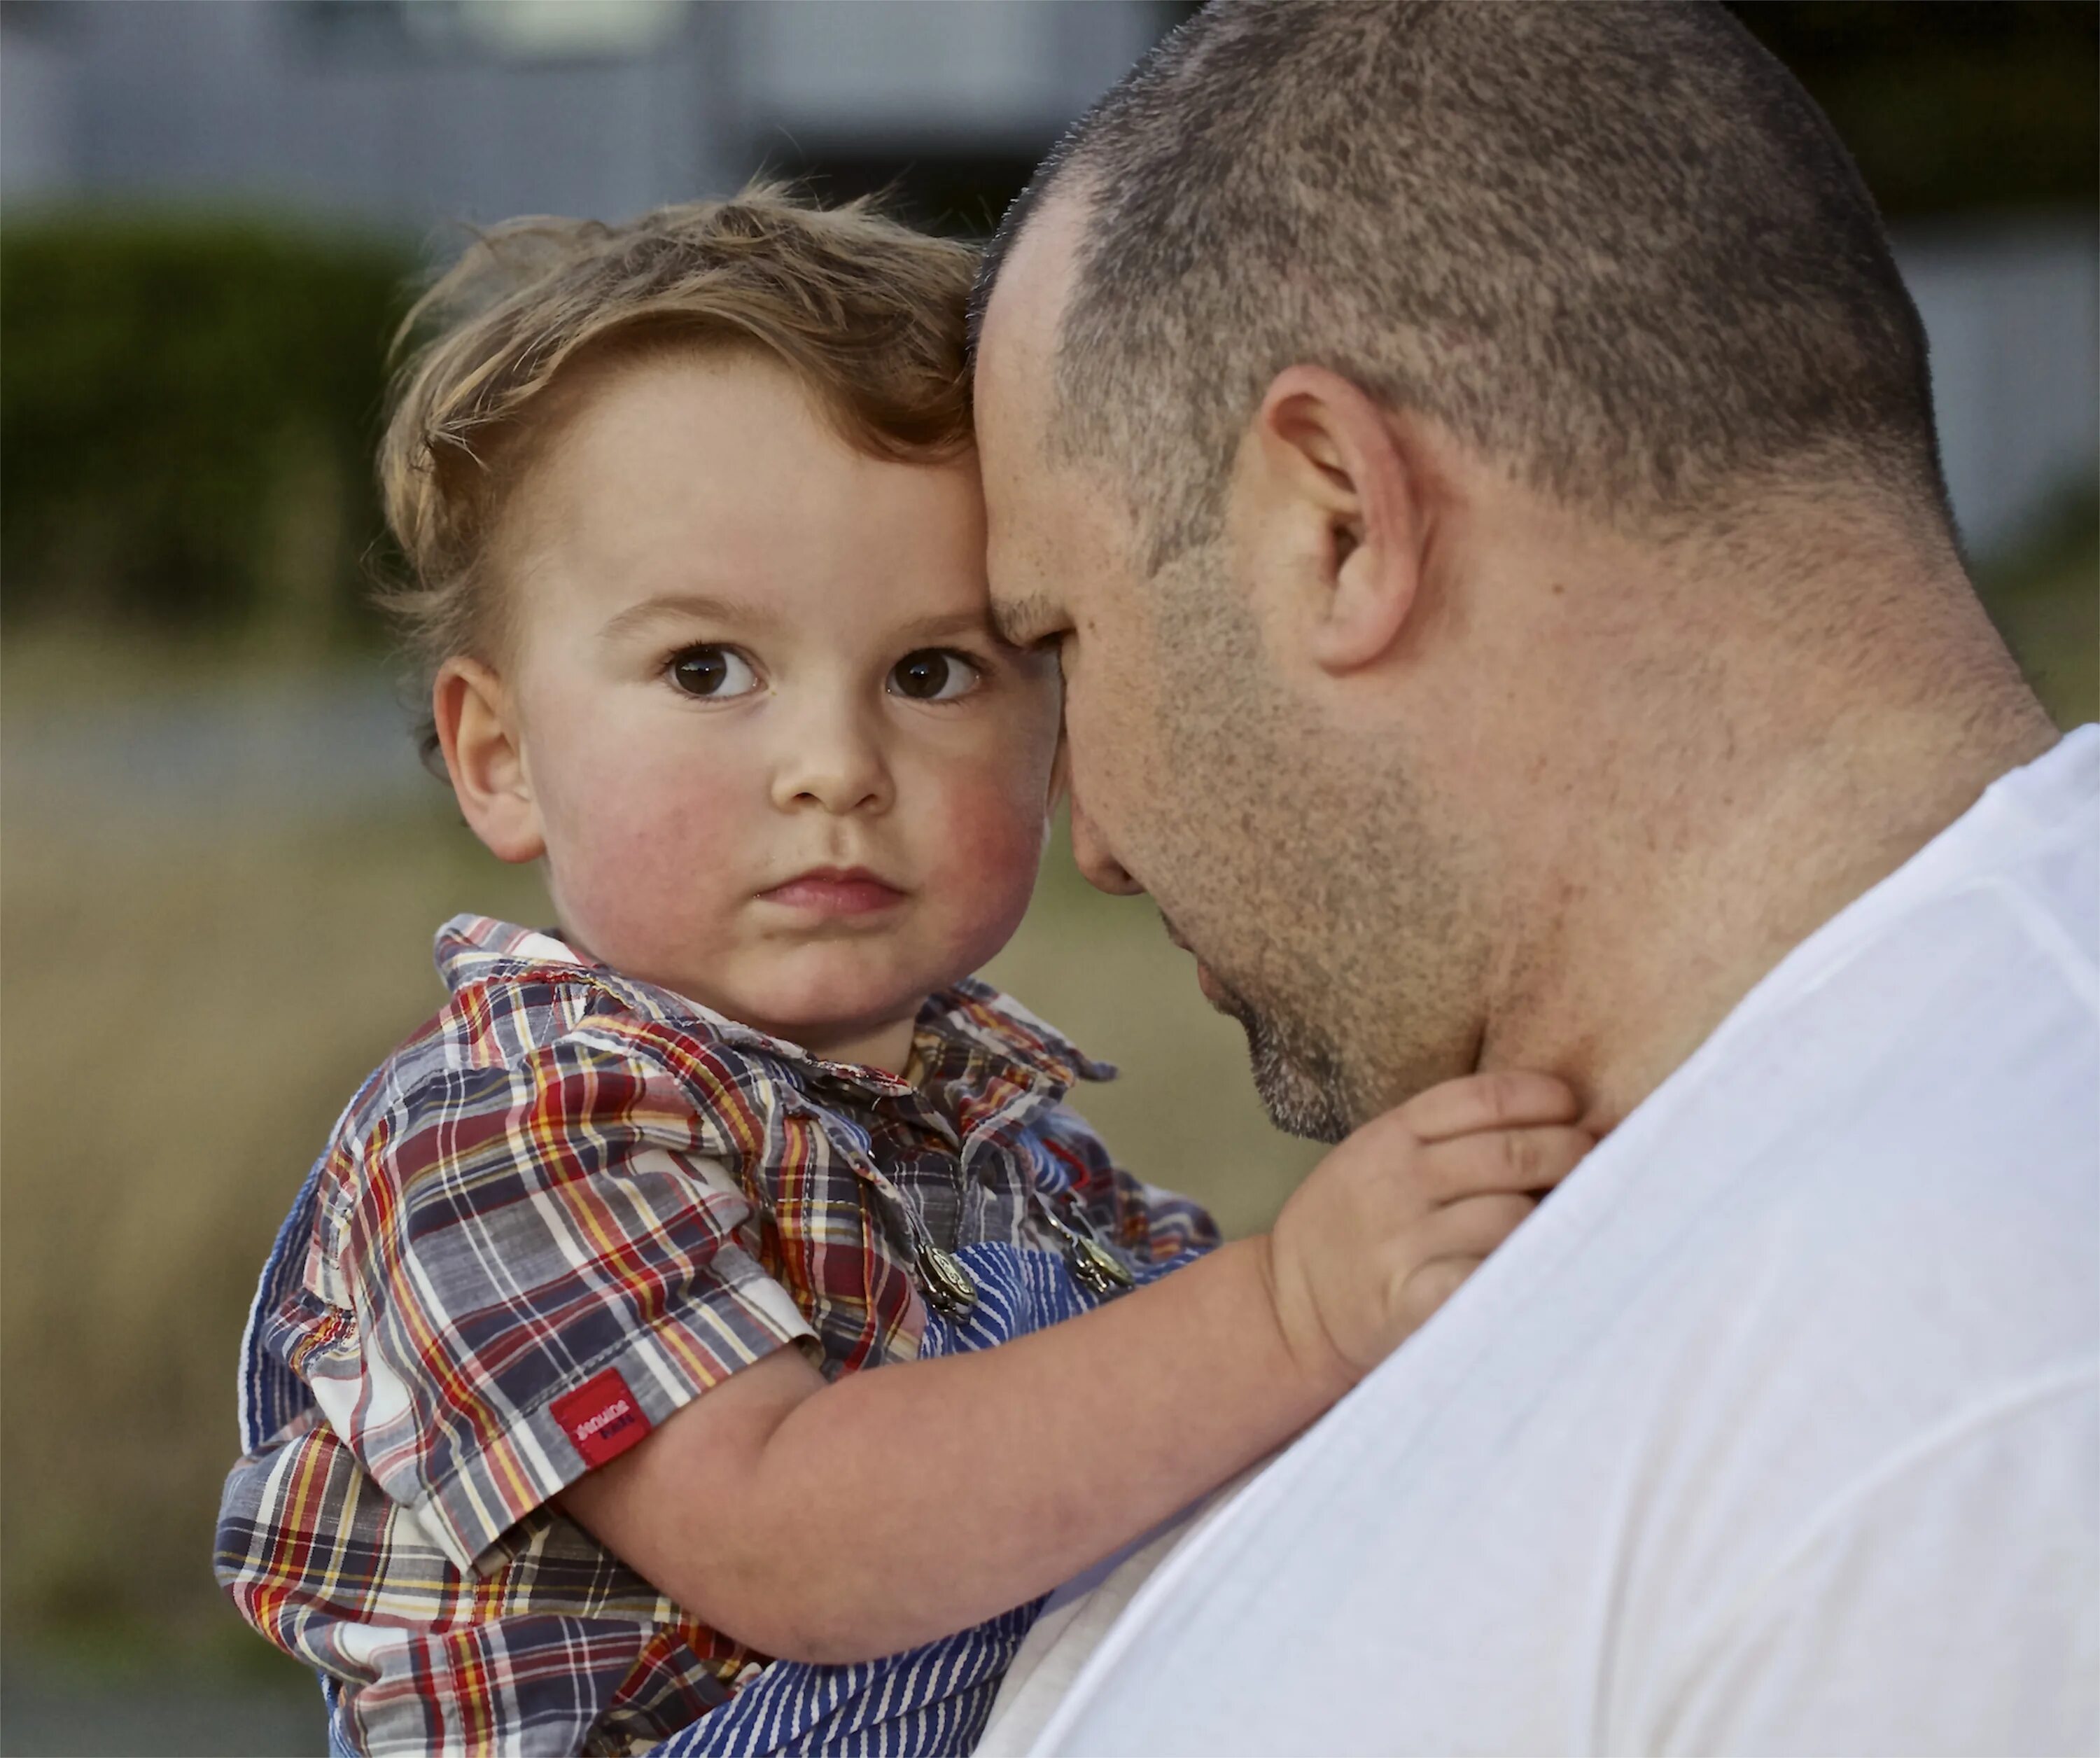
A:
[570,1204]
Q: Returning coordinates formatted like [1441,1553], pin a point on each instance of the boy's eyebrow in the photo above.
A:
[954,623]
[700,605]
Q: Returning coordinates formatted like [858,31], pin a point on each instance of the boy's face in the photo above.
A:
[773,754]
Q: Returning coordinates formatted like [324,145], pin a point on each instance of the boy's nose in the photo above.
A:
[836,765]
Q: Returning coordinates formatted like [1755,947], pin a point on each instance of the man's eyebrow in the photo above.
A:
[1021,622]
[695,607]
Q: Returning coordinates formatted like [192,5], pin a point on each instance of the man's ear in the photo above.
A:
[477,730]
[1339,494]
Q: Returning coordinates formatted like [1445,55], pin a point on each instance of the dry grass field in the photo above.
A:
[206,941]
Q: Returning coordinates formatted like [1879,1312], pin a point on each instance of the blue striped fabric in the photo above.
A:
[271,1395]
[933,1700]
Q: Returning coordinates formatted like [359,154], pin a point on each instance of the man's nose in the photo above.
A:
[1090,849]
[834,761]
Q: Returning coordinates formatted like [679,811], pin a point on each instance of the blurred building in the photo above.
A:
[418,111]
[2012,314]
[415,113]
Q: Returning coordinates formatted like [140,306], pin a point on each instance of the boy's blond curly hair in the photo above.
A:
[868,314]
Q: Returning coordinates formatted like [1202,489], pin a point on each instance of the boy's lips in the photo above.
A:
[835,891]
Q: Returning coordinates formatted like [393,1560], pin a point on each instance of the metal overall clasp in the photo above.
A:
[1096,1268]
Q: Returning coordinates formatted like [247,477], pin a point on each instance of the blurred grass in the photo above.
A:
[192,995]
[185,1014]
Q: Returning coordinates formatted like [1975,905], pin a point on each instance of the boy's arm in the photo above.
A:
[834,1521]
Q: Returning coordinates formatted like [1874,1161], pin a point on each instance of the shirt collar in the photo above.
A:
[959,1026]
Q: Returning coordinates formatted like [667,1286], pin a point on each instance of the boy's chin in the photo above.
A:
[845,977]
[845,1000]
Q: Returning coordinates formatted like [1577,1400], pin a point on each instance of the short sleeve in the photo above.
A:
[536,1265]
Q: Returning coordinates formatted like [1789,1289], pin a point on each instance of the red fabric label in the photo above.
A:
[601,1417]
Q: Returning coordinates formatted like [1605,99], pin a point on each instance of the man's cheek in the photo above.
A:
[1114,779]
[1108,733]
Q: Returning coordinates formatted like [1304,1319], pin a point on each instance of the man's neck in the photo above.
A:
[1664,906]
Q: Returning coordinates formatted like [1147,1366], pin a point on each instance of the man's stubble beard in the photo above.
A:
[1324,904]
[1298,1076]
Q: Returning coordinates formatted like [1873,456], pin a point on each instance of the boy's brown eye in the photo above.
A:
[933,674]
[711,671]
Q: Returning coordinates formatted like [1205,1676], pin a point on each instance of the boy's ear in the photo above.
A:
[477,731]
[1335,496]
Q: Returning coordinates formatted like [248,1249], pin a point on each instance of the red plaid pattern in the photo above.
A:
[569,1182]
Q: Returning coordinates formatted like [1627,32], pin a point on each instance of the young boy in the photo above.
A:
[557,1423]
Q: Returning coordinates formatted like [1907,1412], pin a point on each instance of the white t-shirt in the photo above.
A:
[1776,1429]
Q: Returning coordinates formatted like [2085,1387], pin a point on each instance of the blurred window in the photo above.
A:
[548,29]
[516,30]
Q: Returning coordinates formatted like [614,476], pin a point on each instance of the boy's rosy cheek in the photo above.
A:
[993,841]
[647,850]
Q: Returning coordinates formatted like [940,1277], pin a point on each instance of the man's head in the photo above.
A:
[1330,336]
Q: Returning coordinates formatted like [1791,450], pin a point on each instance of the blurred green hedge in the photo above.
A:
[187,408]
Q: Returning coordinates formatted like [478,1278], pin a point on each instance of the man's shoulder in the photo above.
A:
[1907,1153]
[1866,1216]
[1867,1207]
[1912,1097]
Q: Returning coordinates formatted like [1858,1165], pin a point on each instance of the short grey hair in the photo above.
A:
[1615,245]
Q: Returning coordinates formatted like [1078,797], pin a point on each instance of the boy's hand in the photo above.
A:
[1396,1217]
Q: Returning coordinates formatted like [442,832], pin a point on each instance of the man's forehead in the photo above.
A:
[1018,342]
[1052,533]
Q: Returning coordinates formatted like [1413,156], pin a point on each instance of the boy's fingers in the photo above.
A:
[1433,1283]
[1471,1227]
[1502,1159]
[1509,1098]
